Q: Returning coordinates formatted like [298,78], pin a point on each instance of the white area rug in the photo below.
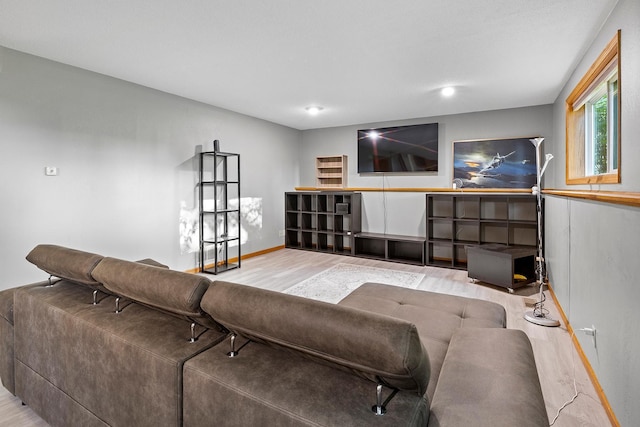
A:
[335,283]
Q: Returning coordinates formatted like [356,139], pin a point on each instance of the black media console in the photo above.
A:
[460,229]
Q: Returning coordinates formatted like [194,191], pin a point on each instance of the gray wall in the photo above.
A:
[126,156]
[127,163]
[592,247]
[404,212]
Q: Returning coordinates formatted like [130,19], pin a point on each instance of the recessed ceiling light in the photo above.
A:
[313,110]
[448,91]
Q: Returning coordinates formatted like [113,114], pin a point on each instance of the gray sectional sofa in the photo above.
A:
[108,342]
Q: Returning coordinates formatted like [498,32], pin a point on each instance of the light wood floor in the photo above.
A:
[559,366]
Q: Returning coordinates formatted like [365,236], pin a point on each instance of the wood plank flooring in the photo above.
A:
[559,366]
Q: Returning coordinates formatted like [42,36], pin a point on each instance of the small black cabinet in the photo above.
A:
[506,266]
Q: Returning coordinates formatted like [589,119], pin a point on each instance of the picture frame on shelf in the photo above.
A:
[507,163]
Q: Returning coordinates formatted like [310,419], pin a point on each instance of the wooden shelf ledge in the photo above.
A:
[614,197]
[419,190]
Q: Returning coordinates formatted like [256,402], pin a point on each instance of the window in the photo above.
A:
[593,122]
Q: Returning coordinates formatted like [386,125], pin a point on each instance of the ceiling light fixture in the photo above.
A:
[314,110]
[448,91]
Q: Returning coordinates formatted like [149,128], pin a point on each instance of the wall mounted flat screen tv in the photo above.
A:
[412,148]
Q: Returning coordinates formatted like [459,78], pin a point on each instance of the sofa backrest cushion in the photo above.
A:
[380,348]
[168,290]
[70,264]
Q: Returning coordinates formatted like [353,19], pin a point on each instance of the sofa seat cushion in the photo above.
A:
[489,378]
[377,347]
[171,291]
[65,263]
[437,316]
[268,386]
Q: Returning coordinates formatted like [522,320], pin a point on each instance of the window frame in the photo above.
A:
[576,126]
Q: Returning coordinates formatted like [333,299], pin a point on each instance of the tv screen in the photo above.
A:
[412,148]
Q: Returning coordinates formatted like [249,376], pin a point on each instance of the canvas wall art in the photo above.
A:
[494,163]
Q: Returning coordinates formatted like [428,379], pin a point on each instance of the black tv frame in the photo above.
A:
[399,149]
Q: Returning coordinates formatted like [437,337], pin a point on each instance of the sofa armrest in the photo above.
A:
[6,340]
[489,378]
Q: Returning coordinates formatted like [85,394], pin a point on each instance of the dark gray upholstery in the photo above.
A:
[6,340]
[268,386]
[436,316]
[65,263]
[489,379]
[171,291]
[380,348]
[308,363]
[125,369]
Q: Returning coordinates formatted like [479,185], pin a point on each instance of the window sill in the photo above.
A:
[609,178]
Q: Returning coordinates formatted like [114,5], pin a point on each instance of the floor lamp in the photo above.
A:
[539,315]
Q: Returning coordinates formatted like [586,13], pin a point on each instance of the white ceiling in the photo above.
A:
[364,61]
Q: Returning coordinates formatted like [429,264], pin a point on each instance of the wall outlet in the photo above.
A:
[591,332]
[281,233]
[50,171]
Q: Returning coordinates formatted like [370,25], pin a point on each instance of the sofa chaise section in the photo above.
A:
[436,316]
[482,374]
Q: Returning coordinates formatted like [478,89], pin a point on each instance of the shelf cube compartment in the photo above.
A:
[467,208]
[441,229]
[308,221]
[292,220]
[440,254]
[325,242]
[325,222]
[467,231]
[308,240]
[291,202]
[292,239]
[308,202]
[460,256]
[523,209]
[324,203]
[341,223]
[412,252]
[494,208]
[494,233]
[375,248]
[440,207]
[342,244]
[523,234]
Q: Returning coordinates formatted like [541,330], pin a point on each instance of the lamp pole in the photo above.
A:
[539,314]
